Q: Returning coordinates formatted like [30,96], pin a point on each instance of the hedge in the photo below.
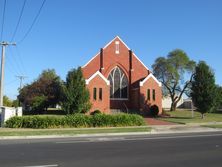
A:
[75,121]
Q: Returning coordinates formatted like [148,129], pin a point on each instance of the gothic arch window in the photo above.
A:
[118,84]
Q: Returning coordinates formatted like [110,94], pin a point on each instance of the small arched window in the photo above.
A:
[118,84]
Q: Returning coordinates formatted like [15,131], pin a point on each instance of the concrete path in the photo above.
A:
[167,129]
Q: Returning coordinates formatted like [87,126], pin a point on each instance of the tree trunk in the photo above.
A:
[173,106]
[202,115]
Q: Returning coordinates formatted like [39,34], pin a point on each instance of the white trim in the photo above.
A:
[140,61]
[94,75]
[122,42]
[117,37]
[90,60]
[148,77]
[99,52]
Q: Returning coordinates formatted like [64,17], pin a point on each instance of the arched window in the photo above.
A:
[118,84]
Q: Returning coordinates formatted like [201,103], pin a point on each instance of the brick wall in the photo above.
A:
[104,104]
[144,102]
[134,75]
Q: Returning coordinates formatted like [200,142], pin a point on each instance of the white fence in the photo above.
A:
[8,112]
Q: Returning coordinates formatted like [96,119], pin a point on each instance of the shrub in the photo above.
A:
[96,112]
[154,110]
[75,120]
[78,121]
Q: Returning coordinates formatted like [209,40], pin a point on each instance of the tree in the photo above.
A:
[75,93]
[171,71]
[203,88]
[15,103]
[7,102]
[43,92]
[218,98]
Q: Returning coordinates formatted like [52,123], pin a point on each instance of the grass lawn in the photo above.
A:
[72,131]
[213,126]
[184,117]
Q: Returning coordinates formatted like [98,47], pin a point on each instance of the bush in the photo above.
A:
[96,112]
[154,110]
[76,121]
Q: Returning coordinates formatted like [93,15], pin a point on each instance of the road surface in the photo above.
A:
[181,150]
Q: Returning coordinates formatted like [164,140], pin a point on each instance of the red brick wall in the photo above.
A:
[110,60]
[150,84]
[104,104]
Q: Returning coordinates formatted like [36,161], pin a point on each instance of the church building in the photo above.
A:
[118,80]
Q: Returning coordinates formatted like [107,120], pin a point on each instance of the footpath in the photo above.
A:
[189,128]
[155,126]
[151,129]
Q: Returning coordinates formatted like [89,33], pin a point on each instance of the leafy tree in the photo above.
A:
[7,102]
[218,98]
[203,88]
[45,91]
[171,71]
[75,93]
[15,103]
[39,102]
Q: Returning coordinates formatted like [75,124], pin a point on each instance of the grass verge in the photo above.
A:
[213,126]
[71,132]
[184,117]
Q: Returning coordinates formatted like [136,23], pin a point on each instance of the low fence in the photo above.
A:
[8,112]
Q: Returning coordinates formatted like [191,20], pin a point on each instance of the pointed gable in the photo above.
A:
[114,52]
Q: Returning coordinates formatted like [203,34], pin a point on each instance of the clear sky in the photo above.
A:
[68,33]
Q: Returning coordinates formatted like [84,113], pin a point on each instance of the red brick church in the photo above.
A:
[117,79]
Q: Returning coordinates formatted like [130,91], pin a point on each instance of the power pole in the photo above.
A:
[3,44]
[21,77]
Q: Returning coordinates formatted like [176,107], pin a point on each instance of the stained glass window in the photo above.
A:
[118,84]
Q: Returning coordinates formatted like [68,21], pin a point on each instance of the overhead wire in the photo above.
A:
[35,19]
[3,20]
[10,63]
[19,20]
[15,61]
[10,82]
[20,58]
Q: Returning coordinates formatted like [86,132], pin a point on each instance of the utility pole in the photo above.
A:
[21,77]
[3,44]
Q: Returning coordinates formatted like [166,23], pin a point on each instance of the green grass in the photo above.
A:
[184,117]
[213,126]
[73,131]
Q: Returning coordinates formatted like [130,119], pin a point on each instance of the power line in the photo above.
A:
[11,82]
[3,19]
[35,19]
[20,58]
[21,77]
[15,61]
[20,16]
[8,66]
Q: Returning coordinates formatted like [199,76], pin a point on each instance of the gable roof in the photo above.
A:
[148,77]
[100,75]
[117,37]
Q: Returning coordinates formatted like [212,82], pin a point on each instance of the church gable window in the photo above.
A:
[118,84]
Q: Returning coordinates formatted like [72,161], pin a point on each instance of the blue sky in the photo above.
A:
[69,32]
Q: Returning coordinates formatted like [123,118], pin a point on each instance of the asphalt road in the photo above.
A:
[184,150]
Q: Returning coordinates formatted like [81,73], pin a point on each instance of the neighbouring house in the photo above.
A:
[118,79]
[166,102]
[182,104]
